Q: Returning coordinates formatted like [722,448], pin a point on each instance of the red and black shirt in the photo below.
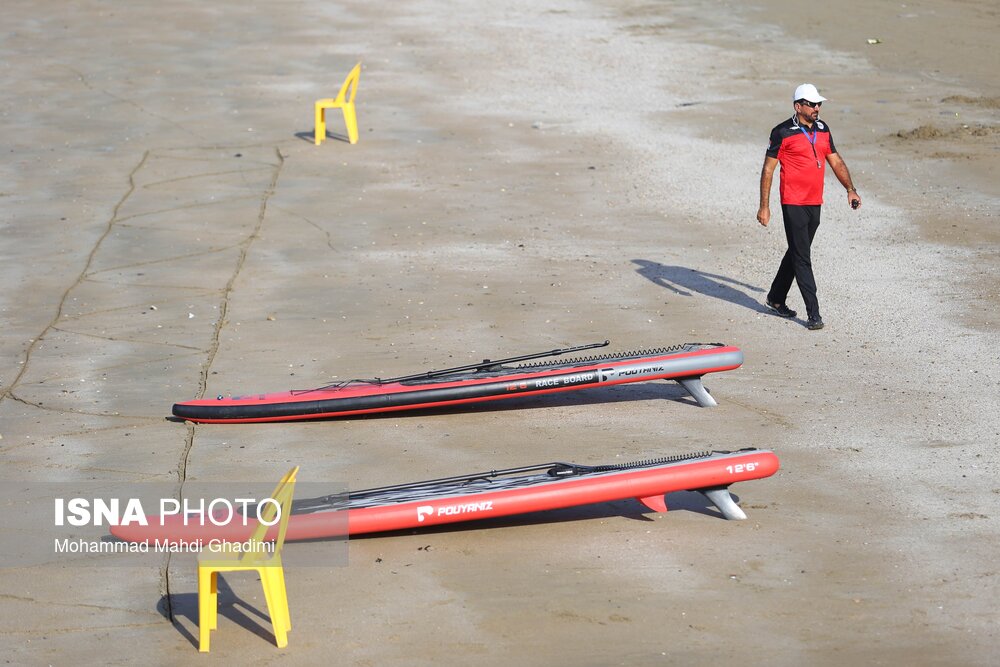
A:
[802,153]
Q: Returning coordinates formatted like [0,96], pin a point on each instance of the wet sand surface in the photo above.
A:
[528,177]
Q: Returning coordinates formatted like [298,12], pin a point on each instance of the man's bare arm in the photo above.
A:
[843,175]
[766,177]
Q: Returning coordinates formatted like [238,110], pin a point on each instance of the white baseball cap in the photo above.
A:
[807,91]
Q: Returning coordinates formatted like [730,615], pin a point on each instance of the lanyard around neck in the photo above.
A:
[812,142]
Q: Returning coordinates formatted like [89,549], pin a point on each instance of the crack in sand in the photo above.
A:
[98,429]
[161,260]
[151,421]
[85,275]
[186,207]
[125,100]
[265,166]
[102,370]
[133,473]
[82,605]
[70,411]
[201,291]
[228,290]
[7,392]
[212,352]
[178,346]
[70,630]
[329,237]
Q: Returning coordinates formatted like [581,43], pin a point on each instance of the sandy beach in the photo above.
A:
[528,177]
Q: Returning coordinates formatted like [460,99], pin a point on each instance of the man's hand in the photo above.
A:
[854,199]
[764,215]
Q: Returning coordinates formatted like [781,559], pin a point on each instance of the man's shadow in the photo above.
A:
[684,281]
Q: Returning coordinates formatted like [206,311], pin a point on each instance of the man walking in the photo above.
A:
[802,145]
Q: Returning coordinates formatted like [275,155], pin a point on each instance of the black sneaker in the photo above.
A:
[814,324]
[780,309]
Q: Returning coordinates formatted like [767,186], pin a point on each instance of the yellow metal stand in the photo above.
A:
[344,101]
[254,555]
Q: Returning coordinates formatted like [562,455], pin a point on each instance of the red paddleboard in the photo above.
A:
[486,495]
[488,381]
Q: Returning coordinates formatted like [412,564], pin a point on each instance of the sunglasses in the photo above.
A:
[811,105]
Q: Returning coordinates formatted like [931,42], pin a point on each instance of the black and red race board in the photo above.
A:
[489,381]
[483,495]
